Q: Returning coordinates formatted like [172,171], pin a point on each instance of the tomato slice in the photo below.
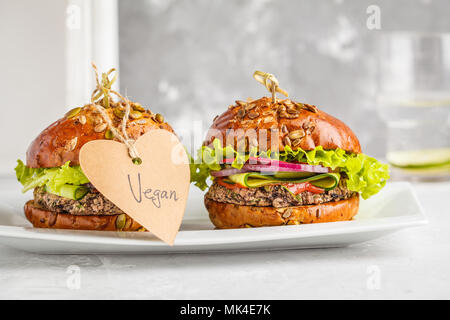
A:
[228,185]
[297,188]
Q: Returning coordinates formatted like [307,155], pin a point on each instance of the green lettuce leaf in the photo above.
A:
[53,179]
[365,174]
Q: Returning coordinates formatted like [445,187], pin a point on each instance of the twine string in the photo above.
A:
[104,89]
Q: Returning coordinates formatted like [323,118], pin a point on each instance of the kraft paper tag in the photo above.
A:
[154,193]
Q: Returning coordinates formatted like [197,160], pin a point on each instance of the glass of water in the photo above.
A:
[414,102]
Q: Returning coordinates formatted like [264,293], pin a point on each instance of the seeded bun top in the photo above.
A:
[299,125]
[63,139]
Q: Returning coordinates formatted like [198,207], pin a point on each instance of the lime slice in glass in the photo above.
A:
[420,159]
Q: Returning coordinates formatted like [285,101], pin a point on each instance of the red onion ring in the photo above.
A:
[266,165]
[293,168]
[227,172]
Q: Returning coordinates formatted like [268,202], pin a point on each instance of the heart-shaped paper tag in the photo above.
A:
[153,193]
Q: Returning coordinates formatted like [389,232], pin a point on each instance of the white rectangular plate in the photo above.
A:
[394,208]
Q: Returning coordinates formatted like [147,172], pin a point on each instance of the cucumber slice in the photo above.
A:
[252,179]
[326,181]
[293,175]
[238,178]
[420,159]
[69,191]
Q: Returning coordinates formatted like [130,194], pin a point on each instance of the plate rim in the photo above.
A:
[247,235]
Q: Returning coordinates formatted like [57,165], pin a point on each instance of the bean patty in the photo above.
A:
[93,203]
[275,196]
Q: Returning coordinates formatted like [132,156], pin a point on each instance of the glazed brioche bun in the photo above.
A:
[63,139]
[284,122]
[42,218]
[227,215]
[315,127]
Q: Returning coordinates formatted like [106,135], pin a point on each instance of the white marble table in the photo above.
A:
[412,263]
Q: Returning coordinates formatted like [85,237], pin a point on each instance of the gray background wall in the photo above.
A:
[191,59]
[32,73]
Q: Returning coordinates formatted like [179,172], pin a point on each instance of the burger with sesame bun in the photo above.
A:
[63,196]
[279,162]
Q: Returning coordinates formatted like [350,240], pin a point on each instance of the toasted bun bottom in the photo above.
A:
[226,215]
[41,218]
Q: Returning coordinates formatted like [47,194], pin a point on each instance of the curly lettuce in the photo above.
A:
[366,175]
[56,180]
